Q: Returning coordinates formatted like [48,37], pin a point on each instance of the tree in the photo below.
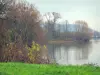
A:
[24,19]
[82,30]
[4,4]
[66,25]
[82,26]
[21,27]
[51,19]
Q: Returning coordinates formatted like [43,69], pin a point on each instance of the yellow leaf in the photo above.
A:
[38,49]
[45,46]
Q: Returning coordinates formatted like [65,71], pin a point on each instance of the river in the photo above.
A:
[75,53]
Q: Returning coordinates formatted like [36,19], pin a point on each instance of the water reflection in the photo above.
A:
[71,53]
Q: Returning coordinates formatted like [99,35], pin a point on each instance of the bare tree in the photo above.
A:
[51,19]
[82,30]
[82,26]
[24,18]
[4,4]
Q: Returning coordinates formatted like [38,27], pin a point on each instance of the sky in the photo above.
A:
[72,10]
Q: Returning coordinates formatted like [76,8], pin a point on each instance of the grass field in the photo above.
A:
[35,69]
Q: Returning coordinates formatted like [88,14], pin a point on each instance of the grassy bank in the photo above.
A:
[34,69]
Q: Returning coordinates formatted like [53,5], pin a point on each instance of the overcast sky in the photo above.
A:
[72,10]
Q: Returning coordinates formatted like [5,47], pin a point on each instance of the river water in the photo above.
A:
[75,53]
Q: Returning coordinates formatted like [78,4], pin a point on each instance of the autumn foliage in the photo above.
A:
[19,27]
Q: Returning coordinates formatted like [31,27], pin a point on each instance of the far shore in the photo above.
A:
[65,41]
[60,41]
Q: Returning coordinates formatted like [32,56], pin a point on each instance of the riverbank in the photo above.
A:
[65,41]
[35,69]
[60,41]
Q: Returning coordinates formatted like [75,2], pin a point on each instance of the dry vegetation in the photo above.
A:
[19,27]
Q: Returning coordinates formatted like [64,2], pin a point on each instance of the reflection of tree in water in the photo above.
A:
[83,50]
[52,49]
[61,52]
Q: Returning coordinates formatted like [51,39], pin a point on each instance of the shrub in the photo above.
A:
[33,52]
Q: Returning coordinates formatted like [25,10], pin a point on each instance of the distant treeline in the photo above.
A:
[77,31]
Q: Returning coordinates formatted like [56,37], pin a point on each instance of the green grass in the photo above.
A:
[35,69]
